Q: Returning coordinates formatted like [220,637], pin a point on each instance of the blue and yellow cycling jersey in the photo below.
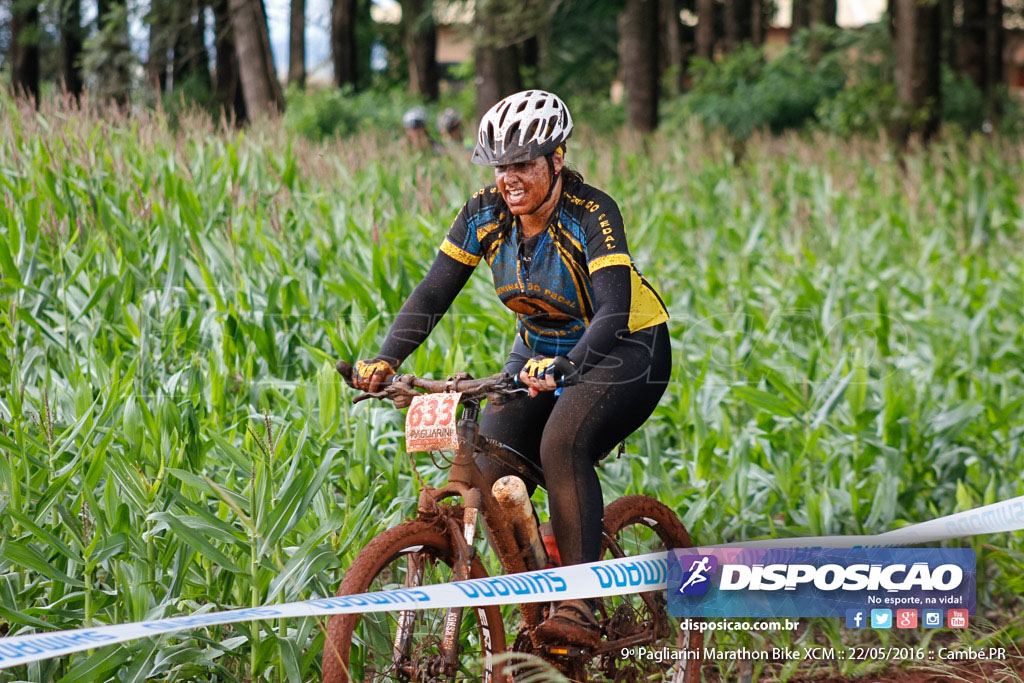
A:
[551,291]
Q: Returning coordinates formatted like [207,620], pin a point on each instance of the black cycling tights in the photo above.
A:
[567,435]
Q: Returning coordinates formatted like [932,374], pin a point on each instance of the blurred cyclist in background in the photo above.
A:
[449,127]
[414,122]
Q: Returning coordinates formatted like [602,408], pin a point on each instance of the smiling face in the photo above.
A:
[523,186]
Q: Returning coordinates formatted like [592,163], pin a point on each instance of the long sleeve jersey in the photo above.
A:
[574,287]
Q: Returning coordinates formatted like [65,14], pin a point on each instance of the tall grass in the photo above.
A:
[847,328]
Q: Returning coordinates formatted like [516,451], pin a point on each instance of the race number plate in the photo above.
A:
[430,423]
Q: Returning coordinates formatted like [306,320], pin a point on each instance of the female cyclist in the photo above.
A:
[586,320]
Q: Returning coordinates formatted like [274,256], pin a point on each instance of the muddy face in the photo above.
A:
[523,186]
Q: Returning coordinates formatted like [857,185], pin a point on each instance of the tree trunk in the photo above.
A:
[190,57]
[419,38]
[738,16]
[801,15]
[675,57]
[706,29]
[823,12]
[947,44]
[638,25]
[529,53]
[496,65]
[228,87]
[113,74]
[993,50]
[970,47]
[758,22]
[156,59]
[544,40]
[343,42]
[297,44]
[102,8]
[69,14]
[496,74]
[25,48]
[917,65]
[256,67]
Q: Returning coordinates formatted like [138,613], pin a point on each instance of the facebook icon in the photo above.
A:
[856,618]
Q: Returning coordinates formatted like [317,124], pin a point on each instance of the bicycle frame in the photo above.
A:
[465,481]
[459,526]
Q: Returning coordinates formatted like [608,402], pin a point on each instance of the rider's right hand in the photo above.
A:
[369,375]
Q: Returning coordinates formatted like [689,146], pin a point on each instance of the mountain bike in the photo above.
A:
[440,545]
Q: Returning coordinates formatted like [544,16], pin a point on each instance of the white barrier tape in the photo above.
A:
[990,519]
[596,579]
[607,578]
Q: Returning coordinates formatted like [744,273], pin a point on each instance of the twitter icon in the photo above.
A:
[881,618]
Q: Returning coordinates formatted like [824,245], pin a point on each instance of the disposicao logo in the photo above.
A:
[813,582]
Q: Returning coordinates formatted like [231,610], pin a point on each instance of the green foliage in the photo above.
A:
[745,91]
[193,93]
[847,339]
[583,48]
[598,113]
[869,101]
[841,81]
[327,112]
[862,107]
[963,102]
[108,61]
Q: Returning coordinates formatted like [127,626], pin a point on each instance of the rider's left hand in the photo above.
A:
[547,374]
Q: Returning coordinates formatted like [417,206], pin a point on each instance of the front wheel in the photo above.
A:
[635,525]
[367,647]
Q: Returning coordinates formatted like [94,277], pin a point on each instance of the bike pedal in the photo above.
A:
[567,651]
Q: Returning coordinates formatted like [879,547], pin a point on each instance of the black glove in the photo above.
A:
[561,369]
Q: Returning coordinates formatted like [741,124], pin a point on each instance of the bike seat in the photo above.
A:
[509,457]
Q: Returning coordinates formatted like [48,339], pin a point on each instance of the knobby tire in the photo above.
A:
[373,569]
[639,525]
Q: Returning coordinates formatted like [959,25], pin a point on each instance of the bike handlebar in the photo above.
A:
[405,386]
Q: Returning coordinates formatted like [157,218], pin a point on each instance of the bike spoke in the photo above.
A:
[412,638]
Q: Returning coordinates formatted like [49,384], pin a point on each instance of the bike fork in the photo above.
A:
[453,617]
[406,618]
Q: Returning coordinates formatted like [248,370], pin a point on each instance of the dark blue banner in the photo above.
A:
[876,587]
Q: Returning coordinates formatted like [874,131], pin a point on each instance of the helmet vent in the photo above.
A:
[512,132]
[531,132]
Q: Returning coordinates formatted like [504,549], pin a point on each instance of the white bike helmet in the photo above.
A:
[415,118]
[448,120]
[523,126]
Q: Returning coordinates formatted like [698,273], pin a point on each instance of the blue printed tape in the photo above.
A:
[611,577]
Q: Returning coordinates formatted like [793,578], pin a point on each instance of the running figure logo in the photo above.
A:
[696,579]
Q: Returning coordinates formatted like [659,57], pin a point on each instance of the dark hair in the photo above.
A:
[570,176]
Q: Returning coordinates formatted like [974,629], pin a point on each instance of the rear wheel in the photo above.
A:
[635,525]
[363,647]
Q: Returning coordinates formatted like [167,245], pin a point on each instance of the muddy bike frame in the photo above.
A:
[466,481]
